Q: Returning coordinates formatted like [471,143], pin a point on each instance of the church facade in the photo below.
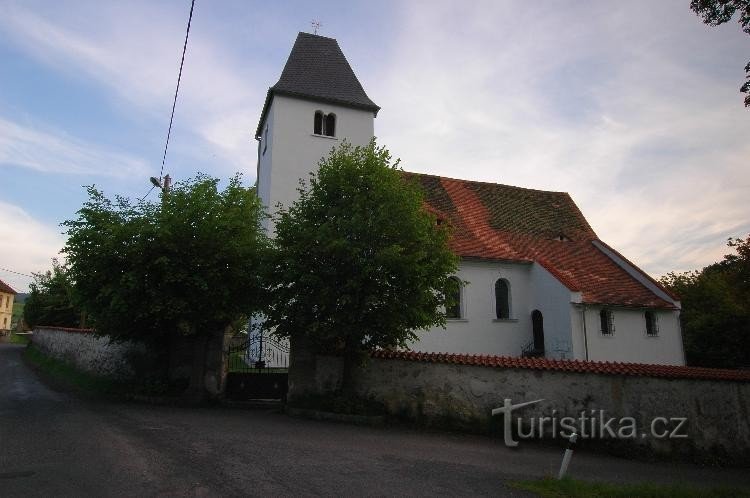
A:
[535,279]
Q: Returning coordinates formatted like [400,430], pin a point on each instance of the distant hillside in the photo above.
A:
[21,297]
[17,313]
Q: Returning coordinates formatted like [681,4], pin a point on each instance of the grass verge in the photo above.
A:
[18,339]
[553,488]
[65,374]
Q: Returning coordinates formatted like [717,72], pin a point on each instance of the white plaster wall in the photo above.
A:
[265,159]
[552,298]
[533,287]
[629,342]
[478,331]
[91,352]
[577,333]
[294,151]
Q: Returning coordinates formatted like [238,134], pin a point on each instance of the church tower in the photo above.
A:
[316,104]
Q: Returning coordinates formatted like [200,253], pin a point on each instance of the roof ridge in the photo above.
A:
[464,180]
[305,33]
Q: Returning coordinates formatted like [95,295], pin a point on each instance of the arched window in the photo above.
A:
[330,126]
[607,320]
[652,326]
[454,306]
[502,299]
[537,328]
[318,125]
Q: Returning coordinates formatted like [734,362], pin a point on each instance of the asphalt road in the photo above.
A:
[56,444]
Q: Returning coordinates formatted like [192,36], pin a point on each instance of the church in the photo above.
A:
[536,281]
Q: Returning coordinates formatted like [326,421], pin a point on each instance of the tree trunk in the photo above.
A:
[208,368]
[302,367]
[350,364]
[196,392]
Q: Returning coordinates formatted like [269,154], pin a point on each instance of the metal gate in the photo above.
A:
[257,368]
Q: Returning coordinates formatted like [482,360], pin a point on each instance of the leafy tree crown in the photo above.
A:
[187,265]
[358,262]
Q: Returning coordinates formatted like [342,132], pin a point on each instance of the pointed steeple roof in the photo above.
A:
[318,70]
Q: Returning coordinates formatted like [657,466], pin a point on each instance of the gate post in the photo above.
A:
[302,366]
[217,363]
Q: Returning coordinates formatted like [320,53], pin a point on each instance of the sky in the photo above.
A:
[631,107]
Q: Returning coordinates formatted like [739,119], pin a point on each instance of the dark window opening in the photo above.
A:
[330,126]
[537,328]
[502,299]
[318,125]
[453,298]
[651,325]
[265,140]
[607,322]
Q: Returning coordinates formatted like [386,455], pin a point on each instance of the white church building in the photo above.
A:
[535,278]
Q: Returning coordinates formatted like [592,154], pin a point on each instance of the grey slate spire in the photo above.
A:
[318,70]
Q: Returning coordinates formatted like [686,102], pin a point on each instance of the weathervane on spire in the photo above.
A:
[316,26]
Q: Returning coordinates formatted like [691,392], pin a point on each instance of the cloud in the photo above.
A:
[637,122]
[631,107]
[133,51]
[26,245]
[55,152]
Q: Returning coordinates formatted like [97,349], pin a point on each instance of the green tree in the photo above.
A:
[358,263]
[185,267]
[716,310]
[50,300]
[716,12]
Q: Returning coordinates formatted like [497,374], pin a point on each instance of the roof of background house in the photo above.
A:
[500,222]
[317,69]
[6,288]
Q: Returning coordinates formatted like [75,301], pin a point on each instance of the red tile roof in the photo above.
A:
[599,367]
[6,288]
[500,222]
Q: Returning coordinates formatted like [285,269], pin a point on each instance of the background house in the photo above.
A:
[7,296]
[536,280]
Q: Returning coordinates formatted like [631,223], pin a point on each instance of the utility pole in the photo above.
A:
[164,184]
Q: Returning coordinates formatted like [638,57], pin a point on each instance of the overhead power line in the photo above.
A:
[17,272]
[176,91]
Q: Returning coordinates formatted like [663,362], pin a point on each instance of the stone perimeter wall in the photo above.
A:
[94,353]
[463,396]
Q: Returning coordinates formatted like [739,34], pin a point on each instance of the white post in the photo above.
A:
[568,455]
